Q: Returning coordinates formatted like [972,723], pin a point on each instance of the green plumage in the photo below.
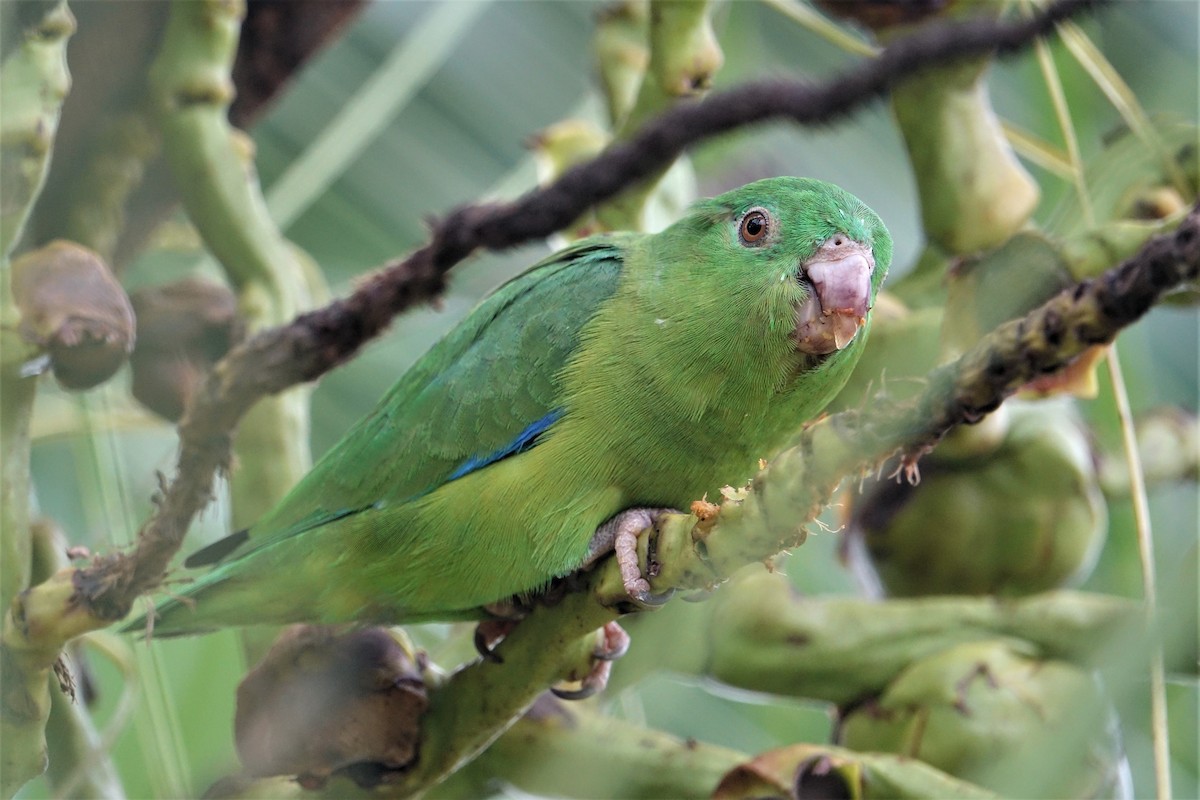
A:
[627,370]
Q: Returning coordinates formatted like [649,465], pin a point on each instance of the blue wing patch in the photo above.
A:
[525,440]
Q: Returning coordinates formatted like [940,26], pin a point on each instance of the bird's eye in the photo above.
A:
[753,228]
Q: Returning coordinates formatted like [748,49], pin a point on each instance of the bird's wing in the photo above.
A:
[486,391]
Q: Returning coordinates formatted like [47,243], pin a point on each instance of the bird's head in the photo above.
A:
[810,249]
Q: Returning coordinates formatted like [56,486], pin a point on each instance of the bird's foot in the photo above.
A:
[505,614]
[620,536]
[612,643]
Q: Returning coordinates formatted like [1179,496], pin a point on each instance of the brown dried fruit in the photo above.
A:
[73,308]
[323,702]
[183,329]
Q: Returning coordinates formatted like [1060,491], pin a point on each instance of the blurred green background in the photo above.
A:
[492,75]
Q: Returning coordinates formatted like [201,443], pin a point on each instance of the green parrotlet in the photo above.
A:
[626,374]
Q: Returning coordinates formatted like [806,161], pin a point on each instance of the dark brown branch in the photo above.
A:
[318,341]
[1048,338]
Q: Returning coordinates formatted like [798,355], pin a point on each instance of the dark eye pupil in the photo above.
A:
[754,226]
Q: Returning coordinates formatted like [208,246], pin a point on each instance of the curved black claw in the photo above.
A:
[485,651]
[584,691]
[488,634]
[648,598]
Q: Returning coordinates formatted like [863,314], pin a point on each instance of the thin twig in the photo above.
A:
[1049,337]
[1145,540]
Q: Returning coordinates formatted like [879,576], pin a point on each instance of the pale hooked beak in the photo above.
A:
[839,274]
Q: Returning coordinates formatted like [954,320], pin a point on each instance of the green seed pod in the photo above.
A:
[183,329]
[73,308]
[622,54]
[974,192]
[988,712]
[684,51]
[1023,518]
[822,772]
[1129,181]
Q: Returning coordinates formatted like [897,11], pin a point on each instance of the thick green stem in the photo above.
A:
[24,695]
[16,411]
[215,176]
[571,750]
[684,56]
[213,168]
[78,766]
[622,55]
[560,147]
[812,770]
[481,701]
[33,82]
[767,639]
[36,626]
[95,215]
[974,193]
